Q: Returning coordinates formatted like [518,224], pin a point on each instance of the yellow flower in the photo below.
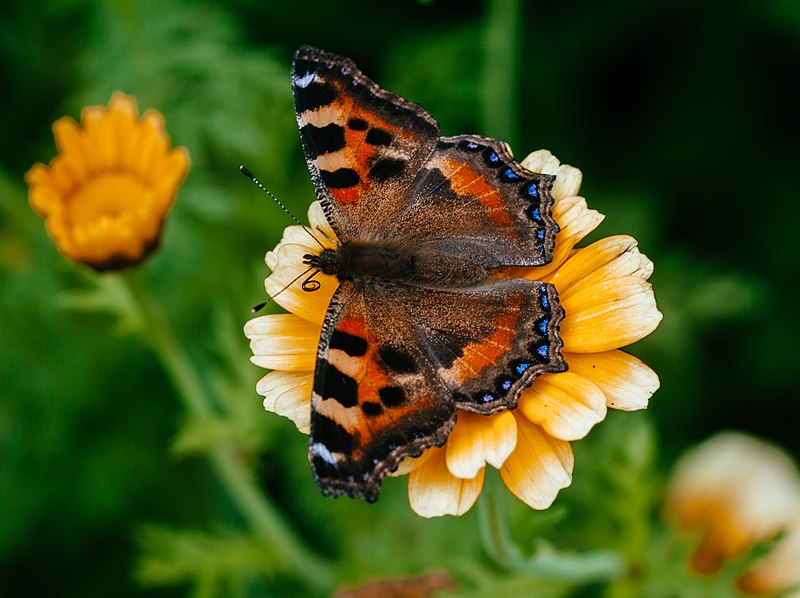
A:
[739,491]
[105,195]
[608,304]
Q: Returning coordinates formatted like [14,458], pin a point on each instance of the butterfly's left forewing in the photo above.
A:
[364,145]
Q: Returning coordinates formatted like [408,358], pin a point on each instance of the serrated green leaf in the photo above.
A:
[203,559]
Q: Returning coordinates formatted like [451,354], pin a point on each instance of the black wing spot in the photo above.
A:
[386,168]
[379,137]
[324,140]
[540,351]
[371,409]
[315,95]
[331,435]
[491,158]
[392,396]
[353,345]
[357,124]
[397,360]
[333,384]
[340,179]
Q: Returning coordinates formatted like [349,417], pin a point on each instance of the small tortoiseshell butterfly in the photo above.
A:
[418,327]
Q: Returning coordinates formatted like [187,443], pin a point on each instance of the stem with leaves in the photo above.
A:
[546,562]
[232,473]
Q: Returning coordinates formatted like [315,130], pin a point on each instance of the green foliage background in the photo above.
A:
[682,116]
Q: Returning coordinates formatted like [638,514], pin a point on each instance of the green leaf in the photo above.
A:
[208,561]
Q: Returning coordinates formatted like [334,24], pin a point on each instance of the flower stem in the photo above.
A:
[546,561]
[501,74]
[494,530]
[232,473]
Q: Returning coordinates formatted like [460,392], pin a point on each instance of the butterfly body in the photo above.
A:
[420,325]
[383,263]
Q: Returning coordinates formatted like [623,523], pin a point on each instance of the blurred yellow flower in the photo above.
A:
[739,491]
[105,195]
[608,303]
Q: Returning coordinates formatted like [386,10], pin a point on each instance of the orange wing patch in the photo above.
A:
[478,356]
[467,181]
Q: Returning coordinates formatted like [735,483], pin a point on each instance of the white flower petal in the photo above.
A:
[285,284]
[739,489]
[566,405]
[626,382]
[283,342]
[301,235]
[541,161]
[479,439]
[288,394]
[316,217]
[606,259]
[757,481]
[539,467]
[433,491]
[609,315]
[568,182]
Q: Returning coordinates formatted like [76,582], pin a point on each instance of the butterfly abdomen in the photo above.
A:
[387,261]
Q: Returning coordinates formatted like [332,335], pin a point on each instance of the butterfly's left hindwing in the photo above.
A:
[387,387]
[376,400]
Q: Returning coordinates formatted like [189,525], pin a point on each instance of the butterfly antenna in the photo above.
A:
[257,308]
[263,304]
[252,177]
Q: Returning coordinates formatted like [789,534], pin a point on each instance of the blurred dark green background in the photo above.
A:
[682,116]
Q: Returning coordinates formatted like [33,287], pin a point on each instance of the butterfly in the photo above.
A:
[421,324]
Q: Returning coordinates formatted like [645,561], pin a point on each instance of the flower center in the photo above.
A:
[106,195]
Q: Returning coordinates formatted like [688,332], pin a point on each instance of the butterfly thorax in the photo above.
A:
[372,261]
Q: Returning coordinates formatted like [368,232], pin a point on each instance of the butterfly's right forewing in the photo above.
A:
[495,212]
